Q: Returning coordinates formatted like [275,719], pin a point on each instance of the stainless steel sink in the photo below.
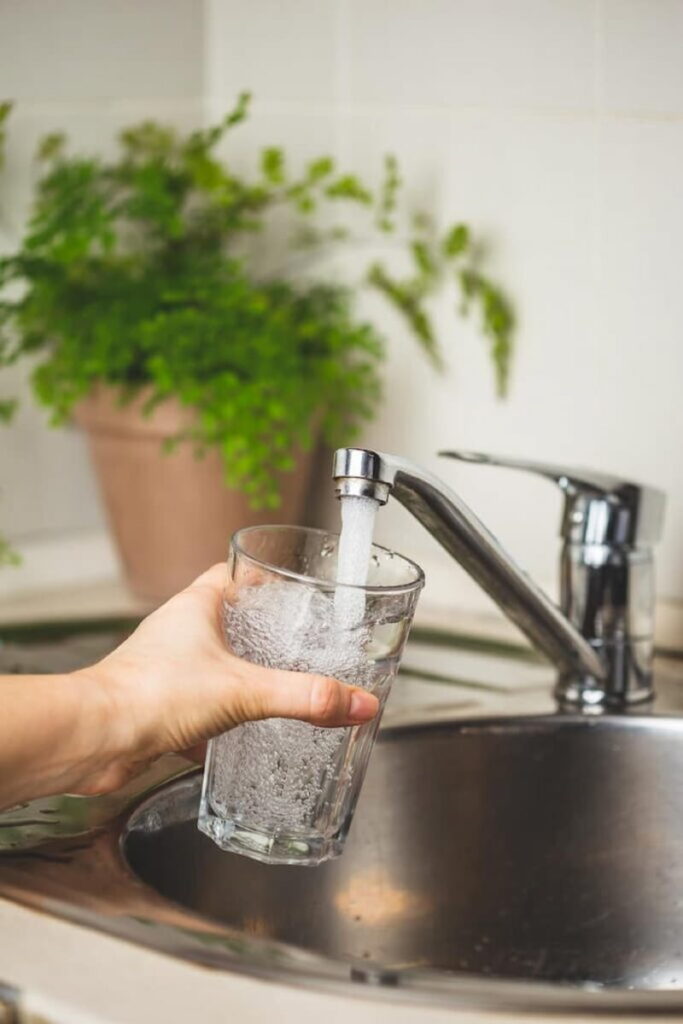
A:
[548,849]
[502,856]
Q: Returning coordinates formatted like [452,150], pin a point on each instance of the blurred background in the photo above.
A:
[552,128]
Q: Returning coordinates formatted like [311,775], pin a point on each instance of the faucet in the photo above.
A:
[601,636]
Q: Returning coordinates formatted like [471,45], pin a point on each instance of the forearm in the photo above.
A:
[56,736]
[171,685]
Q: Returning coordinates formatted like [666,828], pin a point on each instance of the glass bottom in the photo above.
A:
[268,847]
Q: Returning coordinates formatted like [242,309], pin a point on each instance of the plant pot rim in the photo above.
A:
[101,412]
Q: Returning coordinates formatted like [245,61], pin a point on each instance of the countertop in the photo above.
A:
[74,976]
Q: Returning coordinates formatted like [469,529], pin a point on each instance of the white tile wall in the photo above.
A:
[76,50]
[46,485]
[531,53]
[643,57]
[530,120]
[641,349]
[419,137]
[555,127]
[86,67]
[547,200]
[280,49]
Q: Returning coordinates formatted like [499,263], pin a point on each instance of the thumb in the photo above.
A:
[275,693]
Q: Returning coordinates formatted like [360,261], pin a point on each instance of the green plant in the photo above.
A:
[137,272]
[8,555]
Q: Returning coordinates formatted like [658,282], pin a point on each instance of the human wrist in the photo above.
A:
[58,738]
[103,740]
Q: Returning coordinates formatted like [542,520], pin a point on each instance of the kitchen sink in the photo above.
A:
[509,850]
[541,848]
[502,856]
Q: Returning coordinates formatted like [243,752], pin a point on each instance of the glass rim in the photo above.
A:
[372,588]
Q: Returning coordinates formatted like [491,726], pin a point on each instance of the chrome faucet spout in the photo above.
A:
[592,671]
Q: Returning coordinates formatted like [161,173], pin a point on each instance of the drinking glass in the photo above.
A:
[284,791]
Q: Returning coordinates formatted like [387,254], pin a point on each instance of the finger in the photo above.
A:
[311,698]
[196,753]
[214,578]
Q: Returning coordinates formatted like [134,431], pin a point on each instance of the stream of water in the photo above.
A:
[353,560]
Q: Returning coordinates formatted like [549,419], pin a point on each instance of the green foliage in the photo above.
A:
[433,257]
[456,241]
[137,272]
[497,319]
[5,110]
[7,407]
[387,201]
[406,297]
[7,554]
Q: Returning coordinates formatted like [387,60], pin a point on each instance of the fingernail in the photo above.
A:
[363,706]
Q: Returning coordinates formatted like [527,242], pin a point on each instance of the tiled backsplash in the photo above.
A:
[554,126]
[556,129]
[86,69]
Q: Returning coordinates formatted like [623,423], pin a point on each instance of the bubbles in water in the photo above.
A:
[287,775]
[327,548]
[281,773]
[294,626]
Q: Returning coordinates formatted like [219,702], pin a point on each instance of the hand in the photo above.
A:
[174,684]
[169,687]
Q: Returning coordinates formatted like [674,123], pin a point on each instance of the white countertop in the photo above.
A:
[71,975]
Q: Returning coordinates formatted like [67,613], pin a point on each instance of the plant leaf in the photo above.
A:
[456,241]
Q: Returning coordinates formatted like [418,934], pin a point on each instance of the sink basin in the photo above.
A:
[545,848]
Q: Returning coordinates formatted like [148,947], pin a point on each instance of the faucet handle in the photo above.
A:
[599,508]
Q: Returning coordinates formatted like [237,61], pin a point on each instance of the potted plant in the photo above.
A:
[203,380]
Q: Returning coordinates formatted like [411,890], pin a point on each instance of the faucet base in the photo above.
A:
[589,695]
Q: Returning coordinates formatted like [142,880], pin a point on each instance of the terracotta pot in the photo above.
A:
[170,513]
